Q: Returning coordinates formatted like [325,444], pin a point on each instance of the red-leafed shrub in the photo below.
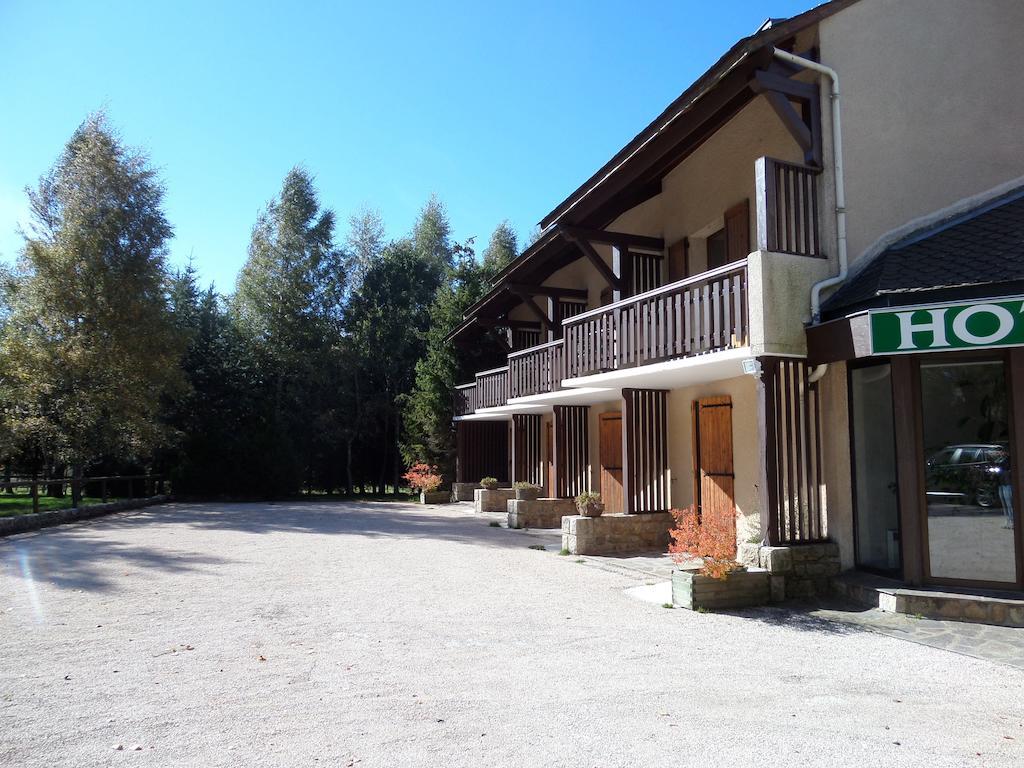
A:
[709,538]
[423,478]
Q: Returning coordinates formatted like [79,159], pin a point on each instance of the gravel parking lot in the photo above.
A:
[300,634]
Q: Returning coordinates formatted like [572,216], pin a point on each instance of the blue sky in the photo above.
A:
[502,110]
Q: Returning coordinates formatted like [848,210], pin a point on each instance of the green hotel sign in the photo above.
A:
[938,327]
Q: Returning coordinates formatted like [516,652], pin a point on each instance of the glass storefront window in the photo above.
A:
[966,437]
[874,467]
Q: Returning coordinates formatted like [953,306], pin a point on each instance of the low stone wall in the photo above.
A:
[31,522]
[741,589]
[464,491]
[800,570]
[492,501]
[610,534]
[435,497]
[541,513]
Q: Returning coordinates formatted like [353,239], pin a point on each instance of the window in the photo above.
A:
[718,249]
[873,444]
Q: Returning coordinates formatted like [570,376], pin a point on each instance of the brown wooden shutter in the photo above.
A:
[737,231]
[611,461]
[715,491]
[677,260]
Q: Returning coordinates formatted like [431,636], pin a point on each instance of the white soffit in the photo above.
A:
[673,374]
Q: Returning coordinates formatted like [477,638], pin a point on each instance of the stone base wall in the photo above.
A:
[492,501]
[800,570]
[741,589]
[541,513]
[435,497]
[31,522]
[464,491]
[610,534]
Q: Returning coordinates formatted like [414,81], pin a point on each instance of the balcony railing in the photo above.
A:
[536,370]
[492,388]
[464,399]
[787,207]
[701,314]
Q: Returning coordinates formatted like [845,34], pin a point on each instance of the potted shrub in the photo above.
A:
[425,479]
[489,483]
[711,578]
[526,491]
[589,504]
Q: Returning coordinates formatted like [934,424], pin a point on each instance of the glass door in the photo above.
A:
[970,516]
[873,450]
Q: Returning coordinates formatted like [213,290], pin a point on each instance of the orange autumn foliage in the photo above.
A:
[710,539]
[423,478]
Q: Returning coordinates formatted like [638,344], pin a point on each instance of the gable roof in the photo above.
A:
[978,253]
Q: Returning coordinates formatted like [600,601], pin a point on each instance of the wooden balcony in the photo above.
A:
[536,370]
[464,399]
[787,208]
[701,314]
[492,388]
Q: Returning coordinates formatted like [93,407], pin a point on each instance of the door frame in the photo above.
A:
[603,417]
[910,460]
[854,502]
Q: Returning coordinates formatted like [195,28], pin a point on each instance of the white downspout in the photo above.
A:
[837,163]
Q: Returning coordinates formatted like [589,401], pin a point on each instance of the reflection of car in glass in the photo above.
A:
[970,471]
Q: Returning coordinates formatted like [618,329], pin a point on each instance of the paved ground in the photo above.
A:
[387,635]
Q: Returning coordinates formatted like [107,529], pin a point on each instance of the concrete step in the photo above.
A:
[981,606]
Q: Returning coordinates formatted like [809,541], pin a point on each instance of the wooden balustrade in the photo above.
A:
[703,313]
[492,388]
[464,399]
[787,207]
[536,370]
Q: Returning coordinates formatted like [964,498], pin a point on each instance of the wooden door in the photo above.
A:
[611,462]
[714,479]
[550,449]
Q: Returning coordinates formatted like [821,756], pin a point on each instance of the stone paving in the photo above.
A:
[1002,645]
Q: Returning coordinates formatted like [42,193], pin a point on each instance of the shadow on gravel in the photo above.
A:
[338,518]
[71,557]
[801,616]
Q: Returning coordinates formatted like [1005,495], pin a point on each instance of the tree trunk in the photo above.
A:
[76,486]
[396,452]
[348,466]
[56,490]
[386,445]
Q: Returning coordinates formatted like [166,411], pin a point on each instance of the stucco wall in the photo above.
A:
[932,106]
[835,451]
[743,392]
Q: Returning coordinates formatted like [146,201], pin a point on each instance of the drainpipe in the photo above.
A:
[837,164]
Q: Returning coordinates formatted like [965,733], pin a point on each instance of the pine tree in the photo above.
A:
[89,344]
[501,249]
[288,307]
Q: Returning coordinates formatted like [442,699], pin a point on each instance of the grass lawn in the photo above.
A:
[21,503]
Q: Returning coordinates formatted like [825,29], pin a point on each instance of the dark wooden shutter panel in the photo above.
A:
[677,258]
[611,461]
[737,231]
[716,492]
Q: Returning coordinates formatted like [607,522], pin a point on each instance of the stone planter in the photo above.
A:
[435,497]
[741,589]
[491,501]
[593,509]
[527,494]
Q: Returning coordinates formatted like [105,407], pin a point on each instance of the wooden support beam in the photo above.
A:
[528,325]
[609,276]
[794,123]
[767,465]
[547,290]
[612,238]
[545,320]
[769,81]
[909,464]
